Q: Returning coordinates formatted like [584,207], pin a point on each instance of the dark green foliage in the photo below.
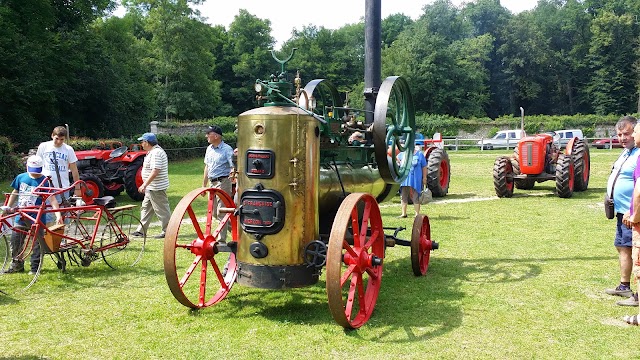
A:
[10,163]
[69,62]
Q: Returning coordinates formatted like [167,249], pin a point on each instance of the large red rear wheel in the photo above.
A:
[354,260]
[421,245]
[200,270]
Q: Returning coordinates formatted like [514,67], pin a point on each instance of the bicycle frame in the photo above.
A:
[85,219]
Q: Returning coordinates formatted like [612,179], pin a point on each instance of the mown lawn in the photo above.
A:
[513,278]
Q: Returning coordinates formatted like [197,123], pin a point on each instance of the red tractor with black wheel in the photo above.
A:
[538,159]
[111,169]
[438,165]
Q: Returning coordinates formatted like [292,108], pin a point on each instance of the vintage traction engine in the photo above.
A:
[307,198]
[538,159]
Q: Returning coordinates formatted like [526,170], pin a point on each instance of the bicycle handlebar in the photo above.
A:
[46,191]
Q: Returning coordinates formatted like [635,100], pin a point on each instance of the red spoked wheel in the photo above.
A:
[199,269]
[354,260]
[421,245]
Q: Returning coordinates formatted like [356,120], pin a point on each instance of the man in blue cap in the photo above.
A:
[155,176]
[218,166]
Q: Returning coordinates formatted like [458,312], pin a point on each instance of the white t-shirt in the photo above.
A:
[64,156]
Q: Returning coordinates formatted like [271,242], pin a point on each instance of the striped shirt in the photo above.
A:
[156,159]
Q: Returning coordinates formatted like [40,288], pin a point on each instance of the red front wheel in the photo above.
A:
[421,245]
[200,270]
[354,260]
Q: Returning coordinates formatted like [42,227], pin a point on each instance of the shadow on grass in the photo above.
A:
[408,308]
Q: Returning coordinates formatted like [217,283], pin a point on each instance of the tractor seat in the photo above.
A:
[106,201]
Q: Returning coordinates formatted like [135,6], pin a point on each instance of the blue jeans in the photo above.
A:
[17,242]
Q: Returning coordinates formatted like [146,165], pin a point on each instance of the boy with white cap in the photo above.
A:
[23,186]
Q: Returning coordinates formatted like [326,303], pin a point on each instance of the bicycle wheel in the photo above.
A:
[5,252]
[119,247]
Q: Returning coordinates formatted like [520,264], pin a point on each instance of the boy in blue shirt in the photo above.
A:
[23,186]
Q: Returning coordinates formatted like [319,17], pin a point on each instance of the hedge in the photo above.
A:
[450,126]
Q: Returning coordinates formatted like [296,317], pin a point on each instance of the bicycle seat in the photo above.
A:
[106,201]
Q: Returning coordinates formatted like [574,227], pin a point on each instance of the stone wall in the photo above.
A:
[186,129]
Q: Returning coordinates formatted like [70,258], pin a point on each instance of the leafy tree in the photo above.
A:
[392,26]
[248,45]
[443,74]
[489,17]
[613,87]
[525,55]
[183,65]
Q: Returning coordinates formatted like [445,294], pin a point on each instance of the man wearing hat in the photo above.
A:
[23,186]
[155,177]
[218,165]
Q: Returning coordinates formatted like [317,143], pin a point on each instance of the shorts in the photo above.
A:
[623,233]
[406,192]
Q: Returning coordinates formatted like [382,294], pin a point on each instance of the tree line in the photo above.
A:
[73,62]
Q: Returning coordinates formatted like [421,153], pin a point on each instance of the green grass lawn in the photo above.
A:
[513,278]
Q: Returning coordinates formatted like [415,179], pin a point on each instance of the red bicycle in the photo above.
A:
[95,230]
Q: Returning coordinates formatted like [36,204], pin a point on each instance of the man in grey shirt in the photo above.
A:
[218,166]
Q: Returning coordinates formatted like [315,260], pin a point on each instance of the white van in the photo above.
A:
[561,137]
[503,139]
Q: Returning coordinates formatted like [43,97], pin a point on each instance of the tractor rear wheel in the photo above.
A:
[503,177]
[438,172]
[582,164]
[565,176]
[133,179]
[94,184]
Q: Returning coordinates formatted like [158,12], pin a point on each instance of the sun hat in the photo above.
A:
[215,128]
[148,137]
[34,164]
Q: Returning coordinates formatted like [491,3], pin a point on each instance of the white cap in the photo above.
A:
[34,164]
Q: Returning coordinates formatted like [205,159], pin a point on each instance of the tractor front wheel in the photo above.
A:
[503,177]
[133,179]
[94,184]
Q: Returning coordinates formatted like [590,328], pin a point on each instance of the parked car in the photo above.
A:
[606,143]
[503,139]
[562,137]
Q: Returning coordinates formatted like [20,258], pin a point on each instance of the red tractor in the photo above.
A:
[538,159]
[438,165]
[110,169]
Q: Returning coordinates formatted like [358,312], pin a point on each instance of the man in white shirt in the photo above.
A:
[56,154]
